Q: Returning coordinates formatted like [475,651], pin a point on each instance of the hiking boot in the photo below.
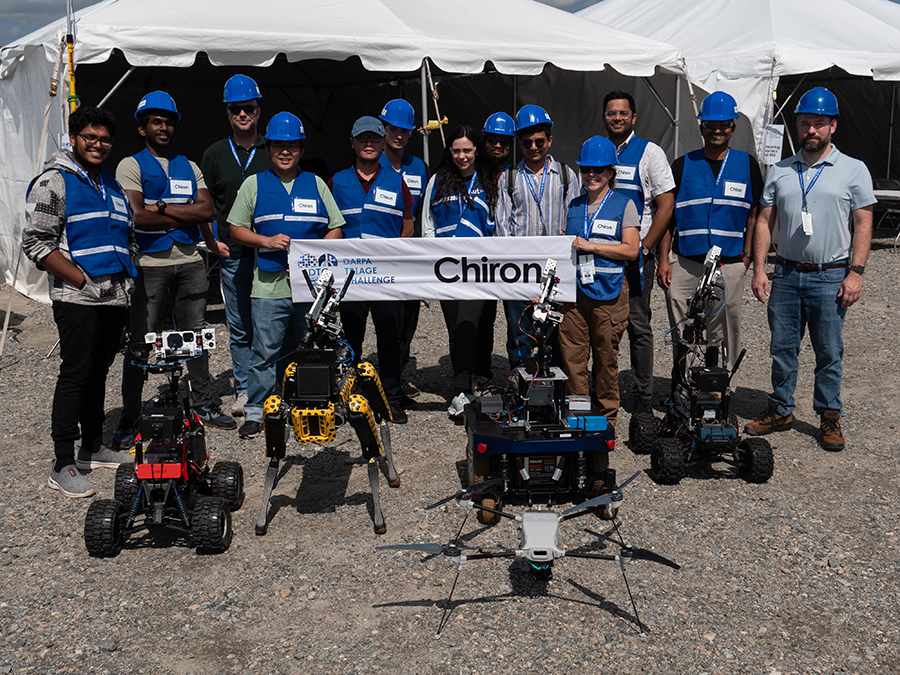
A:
[768,422]
[70,482]
[642,404]
[249,429]
[409,389]
[212,415]
[398,414]
[126,433]
[830,426]
[104,458]
[406,402]
[237,408]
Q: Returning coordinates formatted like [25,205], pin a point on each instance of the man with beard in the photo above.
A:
[499,131]
[822,201]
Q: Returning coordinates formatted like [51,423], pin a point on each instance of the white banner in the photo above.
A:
[464,268]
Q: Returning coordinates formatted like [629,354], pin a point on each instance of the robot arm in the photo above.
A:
[546,308]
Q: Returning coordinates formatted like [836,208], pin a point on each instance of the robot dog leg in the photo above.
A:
[370,386]
[363,422]
[274,422]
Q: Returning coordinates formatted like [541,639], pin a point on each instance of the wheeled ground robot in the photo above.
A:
[542,445]
[323,389]
[699,426]
[170,485]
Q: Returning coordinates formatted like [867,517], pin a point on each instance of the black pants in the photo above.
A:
[470,329]
[387,318]
[89,337]
[408,329]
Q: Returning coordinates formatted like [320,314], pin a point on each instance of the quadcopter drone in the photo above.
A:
[699,426]
[170,484]
[323,389]
[538,534]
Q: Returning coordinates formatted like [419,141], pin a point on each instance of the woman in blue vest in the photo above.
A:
[607,233]
[460,201]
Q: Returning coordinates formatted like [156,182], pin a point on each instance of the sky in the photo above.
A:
[21,17]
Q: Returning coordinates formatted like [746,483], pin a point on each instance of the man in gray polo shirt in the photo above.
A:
[822,200]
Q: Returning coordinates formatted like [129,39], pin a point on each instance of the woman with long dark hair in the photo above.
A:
[460,201]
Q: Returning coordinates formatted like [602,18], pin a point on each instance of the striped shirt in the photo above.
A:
[522,215]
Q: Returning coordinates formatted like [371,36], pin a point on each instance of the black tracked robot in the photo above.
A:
[170,484]
[699,426]
[323,389]
[540,444]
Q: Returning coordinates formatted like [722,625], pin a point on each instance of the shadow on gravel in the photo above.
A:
[323,485]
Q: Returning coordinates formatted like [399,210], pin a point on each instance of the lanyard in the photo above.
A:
[589,222]
[238,160]
[84,175]
[722,168]
[539,197]
[803,189]
[469,187]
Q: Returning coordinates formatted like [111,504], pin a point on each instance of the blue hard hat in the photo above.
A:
[598,151]
[818,101]
[718,107]
[531,115]
[285,127]
[499,123]
[240,88]
[157,100]
[399,113]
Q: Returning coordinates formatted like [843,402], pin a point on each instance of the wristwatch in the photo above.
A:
[747,256]
[161,207]
[859,269]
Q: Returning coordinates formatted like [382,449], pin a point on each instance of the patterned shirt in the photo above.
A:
[522,215]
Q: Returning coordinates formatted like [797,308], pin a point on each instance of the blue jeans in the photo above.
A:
[237,278]
[272,320]
[799,300]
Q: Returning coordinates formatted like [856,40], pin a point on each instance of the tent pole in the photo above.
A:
[677,113]
[690,85]
[434,96]
[422,76]
[659,100]
[116,86]
[887,173]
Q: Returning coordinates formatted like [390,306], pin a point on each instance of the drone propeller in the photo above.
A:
[602,500]
[644,554]
[475,489]
[424,548]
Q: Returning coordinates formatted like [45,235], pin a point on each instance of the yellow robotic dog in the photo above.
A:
[322,390]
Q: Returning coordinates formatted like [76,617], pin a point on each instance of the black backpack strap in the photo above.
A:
[511,181]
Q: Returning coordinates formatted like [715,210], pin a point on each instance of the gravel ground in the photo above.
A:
[798,575]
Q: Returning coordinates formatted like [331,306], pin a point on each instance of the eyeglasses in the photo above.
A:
[718,126]
[103,141]
[456,152]
[536,142]
[505,141]
[236,110]
[621,114]
[281,146]
[372,139]
[592,169]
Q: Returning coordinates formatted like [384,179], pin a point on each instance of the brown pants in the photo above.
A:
[594,328]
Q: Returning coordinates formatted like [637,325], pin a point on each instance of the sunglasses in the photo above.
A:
[593,169]
[505,141]
[718,126]
[238,109]
[103,141]
[536,142]
[364,139]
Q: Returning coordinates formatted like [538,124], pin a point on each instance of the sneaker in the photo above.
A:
[249,429]
[212,415]
[458,404]
[830,426]
[70,482]
[126,433]
[768,422]
[398,414]
[409,389]
[237,408]
[104,458]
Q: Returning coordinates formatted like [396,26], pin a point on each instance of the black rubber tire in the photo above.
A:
[598,463]
[103,528]
[227,481]
[756,460]
[126,485]
[667,462]
[211,529]
[487,517]
[643,430]
[480,467]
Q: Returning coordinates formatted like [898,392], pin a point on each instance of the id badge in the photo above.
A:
[806,219]
[586,269]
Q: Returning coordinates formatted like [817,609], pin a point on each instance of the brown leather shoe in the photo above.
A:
[768,422]
[830,426]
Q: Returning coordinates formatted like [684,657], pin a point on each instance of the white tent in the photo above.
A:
[745,46]
[518,37]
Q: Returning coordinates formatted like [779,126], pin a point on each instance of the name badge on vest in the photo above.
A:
[119,204]
[625,172]
[303,205]
[736,190]
[604,227]
[413,181]
[180,187]
[385,197]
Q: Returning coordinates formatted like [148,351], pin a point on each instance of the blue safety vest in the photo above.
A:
[376,214]
[455,217]
[414,174]
[710,210]
[607,229]
[628,174]
[178,186]
[300,214]
[97,228]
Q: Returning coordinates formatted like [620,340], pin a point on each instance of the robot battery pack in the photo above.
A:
[588,422]
[315,377]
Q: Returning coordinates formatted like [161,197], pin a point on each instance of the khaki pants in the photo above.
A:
[594,328]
